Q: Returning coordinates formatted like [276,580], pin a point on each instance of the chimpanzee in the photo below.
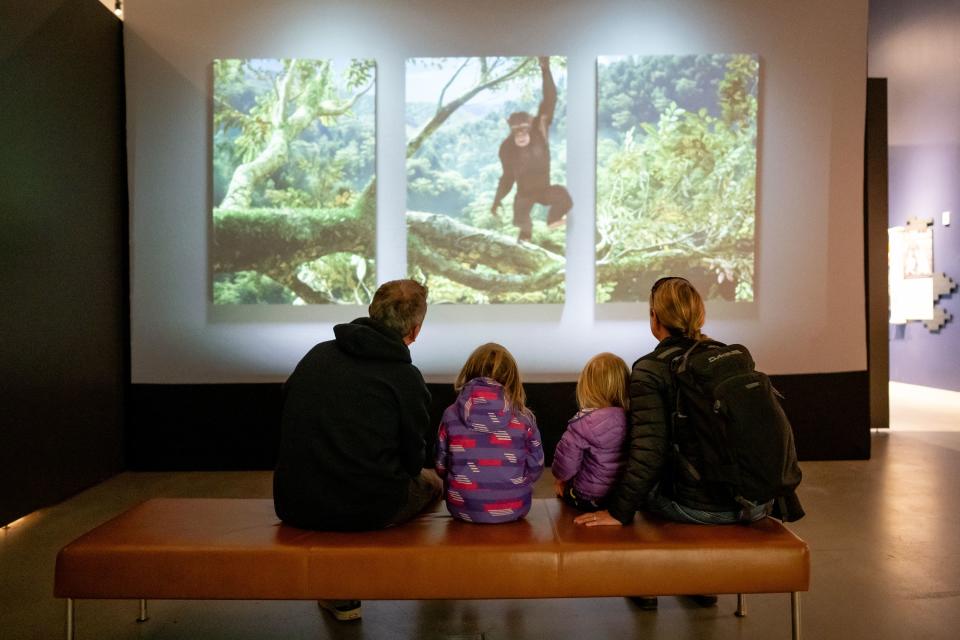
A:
[525,159]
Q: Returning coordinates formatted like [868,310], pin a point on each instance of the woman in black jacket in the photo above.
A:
[650,483]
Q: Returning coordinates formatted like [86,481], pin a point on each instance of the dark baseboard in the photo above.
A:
[237,426]
[830,414]
[216,427]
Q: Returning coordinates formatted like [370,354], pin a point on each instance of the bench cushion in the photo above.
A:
[654,557]
[238,549]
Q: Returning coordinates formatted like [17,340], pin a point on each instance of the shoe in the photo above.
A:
[342,610]
[704,600]
[645,603]
[556,224]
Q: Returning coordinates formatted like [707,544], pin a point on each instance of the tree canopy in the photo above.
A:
[292,136]
[676,175]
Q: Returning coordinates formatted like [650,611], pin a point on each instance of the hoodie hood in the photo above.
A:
[481,397]
[368,339]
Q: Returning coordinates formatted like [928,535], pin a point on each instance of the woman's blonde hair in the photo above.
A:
[678,307]
[492,360]
[604,382]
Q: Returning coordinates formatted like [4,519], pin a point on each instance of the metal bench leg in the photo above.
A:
[741,606]
[143,611]
[795,614]
[70,626]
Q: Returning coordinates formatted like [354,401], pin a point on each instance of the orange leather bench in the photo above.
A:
[238,549]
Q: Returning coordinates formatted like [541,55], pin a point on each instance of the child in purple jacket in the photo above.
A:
[590,455]
[488,447]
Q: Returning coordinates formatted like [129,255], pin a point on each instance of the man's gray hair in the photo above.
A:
[400,305]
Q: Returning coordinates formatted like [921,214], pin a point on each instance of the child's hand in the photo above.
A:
[558,487]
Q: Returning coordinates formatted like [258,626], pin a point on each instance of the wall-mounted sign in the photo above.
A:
[914,286]
[911,274]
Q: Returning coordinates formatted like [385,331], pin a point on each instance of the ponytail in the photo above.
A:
[679,307]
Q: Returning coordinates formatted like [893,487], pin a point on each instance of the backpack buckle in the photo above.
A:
[751,511]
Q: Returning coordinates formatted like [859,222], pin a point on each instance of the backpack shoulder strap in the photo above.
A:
[668,354]
[662,355]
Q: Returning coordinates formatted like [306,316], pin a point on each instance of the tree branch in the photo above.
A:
[486,281]
[267,239]
[281,87]
[466,244]
[442,114]
[456,73]
[276,243]
[300,288]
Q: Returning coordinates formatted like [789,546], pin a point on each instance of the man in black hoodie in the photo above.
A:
[355,412]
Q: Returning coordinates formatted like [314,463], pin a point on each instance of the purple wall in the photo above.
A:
[916,46]
[925,180]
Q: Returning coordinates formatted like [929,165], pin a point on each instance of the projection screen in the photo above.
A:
[768,213]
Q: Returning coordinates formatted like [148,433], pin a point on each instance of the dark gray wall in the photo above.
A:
[63,264]
[875,212]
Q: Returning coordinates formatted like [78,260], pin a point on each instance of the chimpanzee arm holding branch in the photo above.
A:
[549,101]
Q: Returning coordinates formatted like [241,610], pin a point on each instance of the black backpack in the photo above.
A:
[746,448]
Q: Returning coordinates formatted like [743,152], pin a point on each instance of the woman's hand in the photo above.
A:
[596,519]
[558,487]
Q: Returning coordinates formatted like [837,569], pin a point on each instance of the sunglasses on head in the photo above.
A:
[660,281]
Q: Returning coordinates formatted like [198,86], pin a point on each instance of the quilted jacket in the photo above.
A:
[590,453]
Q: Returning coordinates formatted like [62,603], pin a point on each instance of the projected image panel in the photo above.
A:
[294,199]
[676,174]
[486,174]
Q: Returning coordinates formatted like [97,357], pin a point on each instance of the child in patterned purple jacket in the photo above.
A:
[488,447]
[590,455]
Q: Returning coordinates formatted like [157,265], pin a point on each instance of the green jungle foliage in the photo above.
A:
[249,287]
[676,174]
[295,136]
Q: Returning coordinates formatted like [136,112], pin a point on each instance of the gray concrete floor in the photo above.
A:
[883,535]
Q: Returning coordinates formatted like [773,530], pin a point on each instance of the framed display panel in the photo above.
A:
[914,287]
[294,200]
[676,173]
[486,178]
[911,274]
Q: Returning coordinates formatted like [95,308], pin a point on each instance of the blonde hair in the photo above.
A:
[400,305]
[679,307]
[492,360]
[604,382]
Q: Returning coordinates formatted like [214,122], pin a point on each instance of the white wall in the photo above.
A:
[809,311]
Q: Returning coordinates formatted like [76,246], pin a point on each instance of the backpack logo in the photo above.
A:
[725,354]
